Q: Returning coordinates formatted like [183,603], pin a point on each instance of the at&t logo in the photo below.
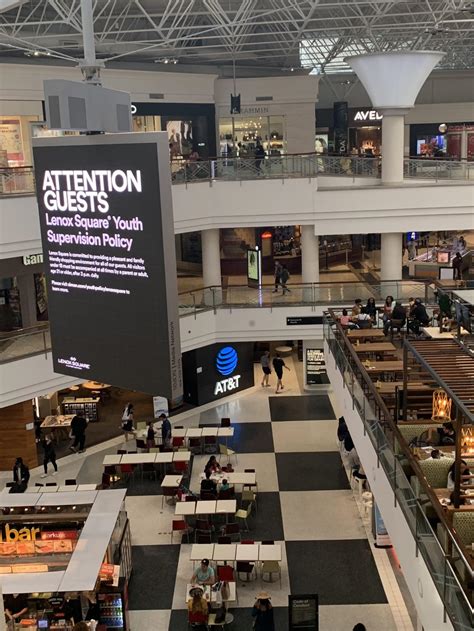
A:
[226,363]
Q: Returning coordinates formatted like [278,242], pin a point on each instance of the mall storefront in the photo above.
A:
[23,297]
[364,131]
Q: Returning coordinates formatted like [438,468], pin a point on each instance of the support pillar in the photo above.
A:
[393,130]
[26,287]
[391,256]
[309,262]
[211,264]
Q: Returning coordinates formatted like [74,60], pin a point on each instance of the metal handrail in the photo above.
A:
[387,423]
[20,180]
[37,328]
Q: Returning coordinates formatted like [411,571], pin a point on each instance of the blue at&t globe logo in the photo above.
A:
[226,360]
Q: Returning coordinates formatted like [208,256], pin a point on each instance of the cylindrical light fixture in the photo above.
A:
[441,406]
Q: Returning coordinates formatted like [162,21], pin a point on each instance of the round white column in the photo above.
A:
[393,130]
[309,255]
[211,258]
[309,262]
[391,262]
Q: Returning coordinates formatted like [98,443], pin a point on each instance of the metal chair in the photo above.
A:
[244,514]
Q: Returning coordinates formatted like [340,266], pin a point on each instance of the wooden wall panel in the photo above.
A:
[15,439]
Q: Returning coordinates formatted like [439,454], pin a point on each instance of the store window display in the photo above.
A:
[238,136]
[15,140]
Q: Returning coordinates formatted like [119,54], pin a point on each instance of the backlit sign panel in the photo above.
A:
[108,243]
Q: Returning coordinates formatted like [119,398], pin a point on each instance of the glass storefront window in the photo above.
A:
[15,140]
[146,123]
[238,136]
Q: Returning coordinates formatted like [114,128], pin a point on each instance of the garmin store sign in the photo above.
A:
[108,241]
[217,371]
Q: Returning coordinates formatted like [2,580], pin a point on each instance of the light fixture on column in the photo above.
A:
[441,406]
[393,81]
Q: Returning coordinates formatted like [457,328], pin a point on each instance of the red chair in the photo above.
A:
[180,467]
[177,442]
[225,573]
[197,618]
[249,542]
[179,525]
[126,470]
[225,422]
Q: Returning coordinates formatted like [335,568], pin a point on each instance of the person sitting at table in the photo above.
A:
[208,485]
[397,318]
[446,434]
[357,307]
[464,471]
[150,435]
[212,465]
[345,320]
[371,309]
[198,608]
[362,321]
[418,317]
[204,575]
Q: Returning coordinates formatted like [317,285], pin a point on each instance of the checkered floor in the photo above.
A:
[304,502]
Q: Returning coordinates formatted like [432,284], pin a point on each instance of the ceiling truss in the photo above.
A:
[280,34]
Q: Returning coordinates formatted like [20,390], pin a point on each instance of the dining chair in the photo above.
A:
[270,568]
[70,482]
[225,422]
[141,444]
[225,573]
[106,483]
[168,492]
[226,451]
[249,496]
[141,425]
[244,514]
[179,525]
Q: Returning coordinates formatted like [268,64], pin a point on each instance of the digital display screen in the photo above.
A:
[253,265]
[108,244]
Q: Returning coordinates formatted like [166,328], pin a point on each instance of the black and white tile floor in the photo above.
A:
[304,501]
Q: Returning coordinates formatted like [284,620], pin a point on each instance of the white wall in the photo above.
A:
[346,209]
[30,377]
[422,589]
[25,83]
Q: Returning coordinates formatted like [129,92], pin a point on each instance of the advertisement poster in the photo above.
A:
[315,365]
[160,406]
[303,612]
[108,242]
[254,278]
[10,139]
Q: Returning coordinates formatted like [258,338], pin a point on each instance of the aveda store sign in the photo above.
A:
[362,116]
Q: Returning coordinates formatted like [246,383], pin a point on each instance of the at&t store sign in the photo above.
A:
[227,360]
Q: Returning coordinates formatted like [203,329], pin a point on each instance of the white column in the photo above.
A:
[393,133]
[391,262]
[309,255]
[309,262]
[211,257]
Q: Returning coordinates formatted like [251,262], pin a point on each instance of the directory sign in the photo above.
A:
[108,243]
[303,612]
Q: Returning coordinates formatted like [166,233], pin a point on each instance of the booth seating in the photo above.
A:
[463,523]
[409,431]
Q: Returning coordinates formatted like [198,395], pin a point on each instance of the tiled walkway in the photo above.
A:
[304,502]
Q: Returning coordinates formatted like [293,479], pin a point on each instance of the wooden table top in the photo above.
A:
[381,366]
[365,333]
[388,387]
[374,347]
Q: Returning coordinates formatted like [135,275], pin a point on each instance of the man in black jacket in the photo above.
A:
[49,455]
[78,430]
[419,317]
[21,476]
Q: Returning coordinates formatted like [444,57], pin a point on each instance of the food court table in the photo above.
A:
[247,552]
[224,552]
[184,509]
[171,481]
[366,334]
[95,385]
[210,596]
[201,551]
[381,366]
[374,347]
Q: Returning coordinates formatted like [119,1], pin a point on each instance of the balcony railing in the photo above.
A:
[452,572]
[20,180]
[23,343]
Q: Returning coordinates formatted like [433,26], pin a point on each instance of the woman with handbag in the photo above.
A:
[127,420]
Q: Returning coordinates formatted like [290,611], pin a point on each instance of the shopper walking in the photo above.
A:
[49,455]
[165,429]
[457,266]
[150,435]
[259,157]
[262,612]
[278,269]
[265,362]
[284,277]
[21,476]
[278,365]
[127,421]
[78,432]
